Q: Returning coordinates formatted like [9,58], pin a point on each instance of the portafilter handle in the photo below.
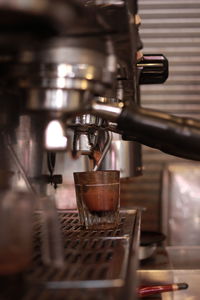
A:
[171,134]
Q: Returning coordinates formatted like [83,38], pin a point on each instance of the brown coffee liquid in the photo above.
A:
[101,200]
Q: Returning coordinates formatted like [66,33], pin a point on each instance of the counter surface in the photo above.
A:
[173,265]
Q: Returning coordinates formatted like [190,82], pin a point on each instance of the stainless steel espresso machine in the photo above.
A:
[70,74]
[61,62]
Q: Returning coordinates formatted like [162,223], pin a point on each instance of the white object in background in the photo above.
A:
[181,204]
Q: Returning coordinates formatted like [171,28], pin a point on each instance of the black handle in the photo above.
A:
[173,135]
[153,69]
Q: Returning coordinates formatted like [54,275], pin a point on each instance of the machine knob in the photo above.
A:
[53,179]
[153,69]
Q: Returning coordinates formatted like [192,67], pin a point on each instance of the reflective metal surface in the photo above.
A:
[122,156]
[180,198]
[96,262]
[174,265]
[107,112]
[56,58]
[58,69]
[64,74]
[86,133]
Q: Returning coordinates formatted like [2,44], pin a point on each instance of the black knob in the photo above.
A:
[153,69]
[57,179]
[53,179]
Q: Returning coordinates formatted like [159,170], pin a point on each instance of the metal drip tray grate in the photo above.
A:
[93,260]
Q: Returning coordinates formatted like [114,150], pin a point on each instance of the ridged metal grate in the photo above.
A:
[94,261]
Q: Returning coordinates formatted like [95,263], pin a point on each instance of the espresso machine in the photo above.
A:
[70,76]
[60,60]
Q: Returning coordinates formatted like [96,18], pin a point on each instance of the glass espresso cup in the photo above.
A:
[98,198]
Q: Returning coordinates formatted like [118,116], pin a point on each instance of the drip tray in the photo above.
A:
[97,263]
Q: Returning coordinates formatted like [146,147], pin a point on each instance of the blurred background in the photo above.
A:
[173,28]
